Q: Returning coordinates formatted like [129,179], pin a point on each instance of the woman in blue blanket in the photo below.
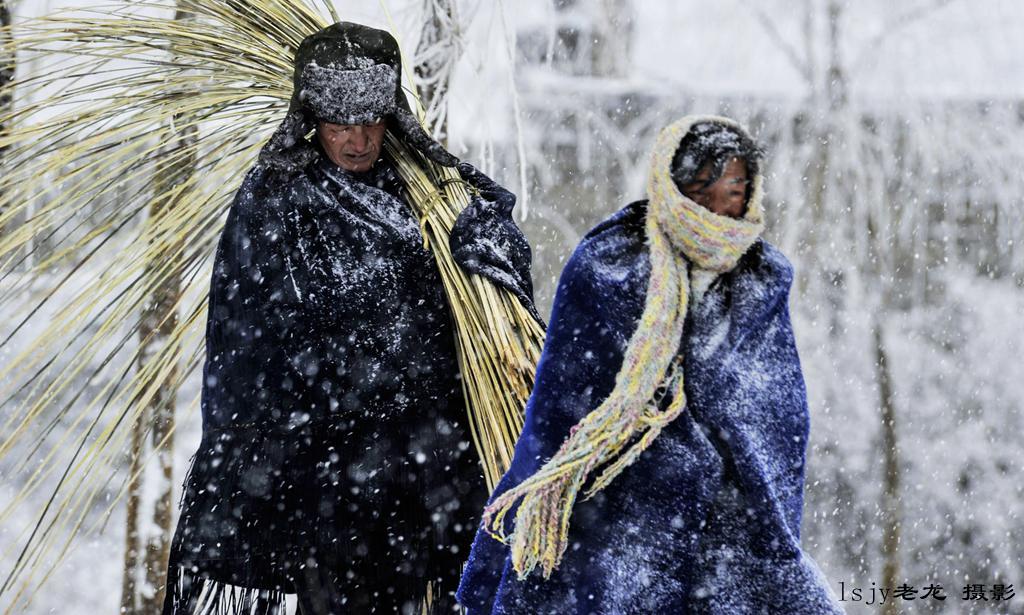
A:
[661,467]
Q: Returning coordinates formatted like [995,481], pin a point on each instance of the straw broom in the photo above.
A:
[497,340]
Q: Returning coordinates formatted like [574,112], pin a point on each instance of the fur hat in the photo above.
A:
[346,73]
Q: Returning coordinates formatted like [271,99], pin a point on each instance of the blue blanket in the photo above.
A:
[708,519]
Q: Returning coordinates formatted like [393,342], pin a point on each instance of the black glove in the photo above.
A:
[486,241]
[487,188]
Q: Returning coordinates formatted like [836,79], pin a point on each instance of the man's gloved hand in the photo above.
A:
[488,189]
[486,241]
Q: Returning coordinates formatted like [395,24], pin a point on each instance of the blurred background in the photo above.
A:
[894,133]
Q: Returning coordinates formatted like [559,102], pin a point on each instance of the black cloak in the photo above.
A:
[334,425]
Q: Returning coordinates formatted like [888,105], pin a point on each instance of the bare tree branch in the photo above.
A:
[898,23]
[437,53]
[800,64]
[810,51]
[565,228]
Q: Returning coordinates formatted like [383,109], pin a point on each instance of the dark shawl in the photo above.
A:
[708,518]
[334,424]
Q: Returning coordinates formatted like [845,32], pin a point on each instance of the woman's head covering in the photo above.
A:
[346,73]
[713,143]
[683,239]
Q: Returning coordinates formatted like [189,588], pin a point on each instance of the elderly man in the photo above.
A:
[336,461]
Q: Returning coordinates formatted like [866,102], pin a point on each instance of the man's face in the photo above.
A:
[725,197]
[352,147]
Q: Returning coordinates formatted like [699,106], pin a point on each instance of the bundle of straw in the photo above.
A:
[498,341]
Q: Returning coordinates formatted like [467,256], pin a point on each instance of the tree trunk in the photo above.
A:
[613,38]
[825,131]
[891,480]
[129,605]
[147,547]
[151,489]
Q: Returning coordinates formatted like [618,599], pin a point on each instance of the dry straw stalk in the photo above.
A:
[498,340]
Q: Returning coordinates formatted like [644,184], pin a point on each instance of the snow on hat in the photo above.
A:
[346,73]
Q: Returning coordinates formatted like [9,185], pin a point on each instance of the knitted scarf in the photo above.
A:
[682,239]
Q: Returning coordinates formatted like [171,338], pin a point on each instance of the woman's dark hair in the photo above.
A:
[715,144]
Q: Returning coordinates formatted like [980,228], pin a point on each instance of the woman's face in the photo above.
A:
[725,197]
[352,147]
